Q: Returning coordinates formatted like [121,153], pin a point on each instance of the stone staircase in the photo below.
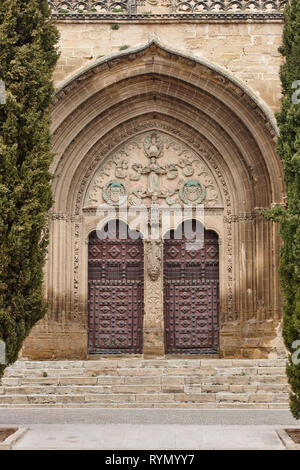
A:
[146,383]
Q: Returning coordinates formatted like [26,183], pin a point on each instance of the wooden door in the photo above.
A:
[116,287]
[191,293]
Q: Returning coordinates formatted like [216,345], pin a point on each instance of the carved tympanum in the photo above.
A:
[154,168]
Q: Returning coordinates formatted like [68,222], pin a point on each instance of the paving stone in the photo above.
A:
[78,380]
[188,371]
[110,380]
[112,398]
[196,397]
[132,380]
[262,398]
[271,370]
[135,389]
[232,397]
[155,397]
[173,380]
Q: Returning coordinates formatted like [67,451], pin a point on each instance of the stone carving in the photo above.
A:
[153,146]
[115,193]
[121,168]
[154,257]
[172,173]
[187,167]
[192,192]
[177,6]
[138,172]
[164,180]
[76,268]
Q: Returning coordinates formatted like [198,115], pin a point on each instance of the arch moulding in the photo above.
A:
[199,105]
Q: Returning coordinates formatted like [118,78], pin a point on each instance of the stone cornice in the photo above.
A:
[171,18]
[180,9]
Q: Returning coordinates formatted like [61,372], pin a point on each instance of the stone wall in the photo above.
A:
[249,50]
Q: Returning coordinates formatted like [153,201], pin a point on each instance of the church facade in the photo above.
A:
[164,139]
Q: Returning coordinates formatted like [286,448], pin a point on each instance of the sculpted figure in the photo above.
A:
[154,259]
[137,167]
[153,146]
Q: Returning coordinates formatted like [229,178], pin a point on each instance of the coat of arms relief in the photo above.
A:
[154,169]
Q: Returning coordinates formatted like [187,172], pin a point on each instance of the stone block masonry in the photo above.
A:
[141,383]
[249,50]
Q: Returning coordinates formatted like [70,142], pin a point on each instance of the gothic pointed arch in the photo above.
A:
[101,117]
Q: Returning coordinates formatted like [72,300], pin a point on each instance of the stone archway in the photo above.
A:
[119,100]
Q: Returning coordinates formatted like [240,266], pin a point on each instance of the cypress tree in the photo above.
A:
[288,148]
[28,55]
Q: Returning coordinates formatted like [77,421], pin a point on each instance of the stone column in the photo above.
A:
[153,328]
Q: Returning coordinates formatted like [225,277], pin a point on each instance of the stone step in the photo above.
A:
[135,389]
[142,400]
[148,363]
[276,381]
[146,371]
[236,405]
[140,383]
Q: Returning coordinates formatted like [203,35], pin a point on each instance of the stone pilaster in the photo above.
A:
[153,328]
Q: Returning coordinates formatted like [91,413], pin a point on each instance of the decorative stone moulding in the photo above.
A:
[141,7]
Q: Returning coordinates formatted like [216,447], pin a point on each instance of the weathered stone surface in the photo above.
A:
[232,397]
[195,397]
[186,390]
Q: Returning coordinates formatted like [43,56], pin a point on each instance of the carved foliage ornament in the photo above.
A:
[161,177]
[176,6]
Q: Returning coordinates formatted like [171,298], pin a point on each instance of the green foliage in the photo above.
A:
[288,147]
[115,26]
[28,56]
[124,47]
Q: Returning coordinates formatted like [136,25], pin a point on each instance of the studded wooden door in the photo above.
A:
[191,294]
[116,286]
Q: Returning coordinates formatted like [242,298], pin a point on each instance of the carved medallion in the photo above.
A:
[192,192]
[115,193]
